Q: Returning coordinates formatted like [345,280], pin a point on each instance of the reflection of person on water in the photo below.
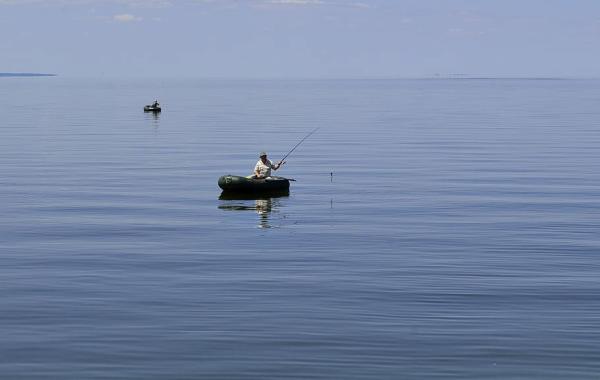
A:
[263,208]
[264,165]
[264,205]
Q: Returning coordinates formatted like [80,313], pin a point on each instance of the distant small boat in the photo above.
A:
[151,108]
[245,185]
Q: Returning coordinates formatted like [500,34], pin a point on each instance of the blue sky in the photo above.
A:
[301,38]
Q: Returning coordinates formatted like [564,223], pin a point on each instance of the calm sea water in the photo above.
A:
[438,229]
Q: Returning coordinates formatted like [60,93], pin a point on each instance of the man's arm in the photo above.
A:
[275,167]
[256,170]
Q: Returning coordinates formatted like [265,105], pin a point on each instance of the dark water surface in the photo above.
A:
[457,239]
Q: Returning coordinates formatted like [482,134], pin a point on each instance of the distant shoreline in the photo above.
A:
[372,78]
[26,75]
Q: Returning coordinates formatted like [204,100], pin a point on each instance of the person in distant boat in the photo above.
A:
[264,165]
[155,104]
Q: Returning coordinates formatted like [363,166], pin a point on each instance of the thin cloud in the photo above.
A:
[146,3]
[133,3]
[330,3]
[295,2]
[358,4]
[125,17]
[361,5]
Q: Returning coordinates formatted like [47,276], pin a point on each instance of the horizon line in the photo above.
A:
[26,74]
[250,78]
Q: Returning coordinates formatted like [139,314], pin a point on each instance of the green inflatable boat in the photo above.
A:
[248,185]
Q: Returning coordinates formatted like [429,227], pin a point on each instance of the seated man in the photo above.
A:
[264,165]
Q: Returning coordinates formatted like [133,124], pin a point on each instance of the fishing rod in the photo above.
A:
[297,145]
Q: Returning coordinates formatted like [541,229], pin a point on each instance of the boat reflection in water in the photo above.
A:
[153,118]
[263,204]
